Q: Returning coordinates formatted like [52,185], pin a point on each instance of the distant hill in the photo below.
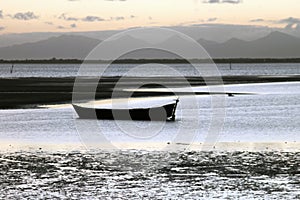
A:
[274,45]
[65,46]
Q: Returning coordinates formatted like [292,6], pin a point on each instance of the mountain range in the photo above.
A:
[274,45]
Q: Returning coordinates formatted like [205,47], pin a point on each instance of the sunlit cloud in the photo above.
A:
[192,22]
[24,16]
[96,15]
[61,27]
[291,22]
[212,19]
[65,17]
[232,1]
[73,26]
[257,20]
[223,1]
[92,19]
[49,23]
[117,18]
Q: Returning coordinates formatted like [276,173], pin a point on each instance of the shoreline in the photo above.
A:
[218,60]
[43,147]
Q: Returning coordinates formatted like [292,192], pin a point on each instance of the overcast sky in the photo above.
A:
[21,16]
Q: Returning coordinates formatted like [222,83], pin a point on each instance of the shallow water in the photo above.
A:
[272,115]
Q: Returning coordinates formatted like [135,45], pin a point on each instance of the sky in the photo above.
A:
[26,16]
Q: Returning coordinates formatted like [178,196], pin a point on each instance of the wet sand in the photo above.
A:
[30,92]
[150,175]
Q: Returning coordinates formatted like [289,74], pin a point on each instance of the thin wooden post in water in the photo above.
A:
[12,68]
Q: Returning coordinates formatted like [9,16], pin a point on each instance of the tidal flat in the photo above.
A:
[136,174]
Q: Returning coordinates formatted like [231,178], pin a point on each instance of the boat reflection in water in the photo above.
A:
[161,113]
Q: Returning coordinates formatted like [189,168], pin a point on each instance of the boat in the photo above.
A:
[161,113]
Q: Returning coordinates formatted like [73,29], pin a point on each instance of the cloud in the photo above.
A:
[49,23]
[209,20]
[92,19]
[61,27]
[223,1]
[67,27]
[117,18]
[232,1]
[73,26]
[24,16]
[212,19]
[1,14]
[291,22]
[257,20]
[212,1]
[65,17]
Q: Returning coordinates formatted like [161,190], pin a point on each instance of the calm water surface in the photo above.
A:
[67,70]
[272,115]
